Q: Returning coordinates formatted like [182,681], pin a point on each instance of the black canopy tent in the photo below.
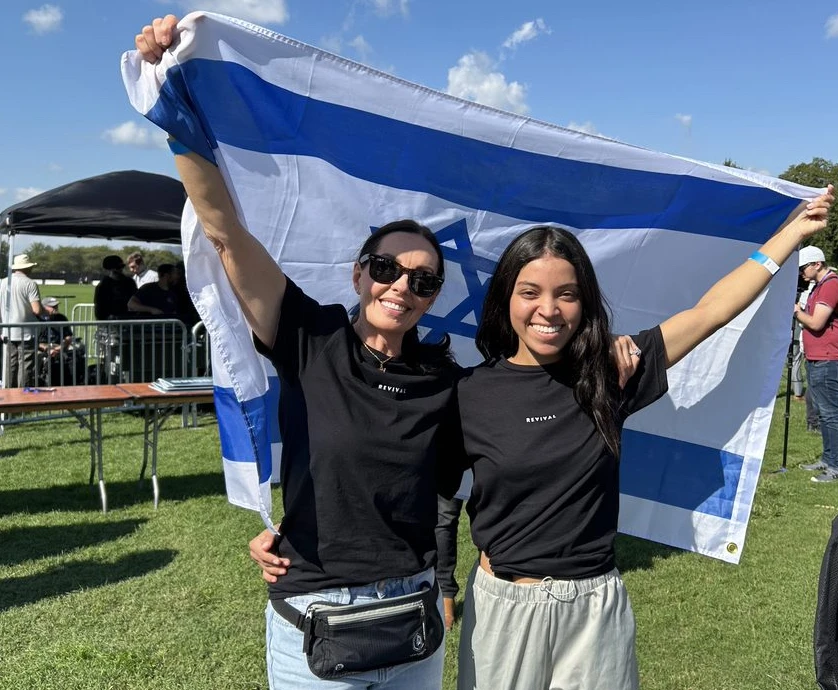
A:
[125,205]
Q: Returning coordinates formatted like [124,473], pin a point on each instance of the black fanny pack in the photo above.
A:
[339,639]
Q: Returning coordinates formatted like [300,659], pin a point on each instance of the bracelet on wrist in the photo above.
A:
[766,261]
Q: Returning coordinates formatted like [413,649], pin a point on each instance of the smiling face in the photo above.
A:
[545,310]
[388,311]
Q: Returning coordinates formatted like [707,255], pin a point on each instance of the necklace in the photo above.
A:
[381,362]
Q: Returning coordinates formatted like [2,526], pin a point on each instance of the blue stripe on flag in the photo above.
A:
[248,424]
[678,473]
[476,174]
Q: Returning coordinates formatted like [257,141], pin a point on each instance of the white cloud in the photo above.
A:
[832,26]
[388,7]
[586,127]
[131,134]
[686,121]
[476,78]
[364,49]
[257,11]
[24,193]
[526,32]
[3,190]
[45,19]
[54,167]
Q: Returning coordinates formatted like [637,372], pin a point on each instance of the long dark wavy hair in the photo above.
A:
[427,357]
[587,357]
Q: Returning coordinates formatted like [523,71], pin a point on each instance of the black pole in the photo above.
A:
[787,416]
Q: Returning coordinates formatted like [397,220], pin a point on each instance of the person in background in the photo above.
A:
[115,289]
[142,274]
[63,361]
[23,304]
[158,298]
[812,422]
[185,308]
[447,529]
[820,345]
[52,338]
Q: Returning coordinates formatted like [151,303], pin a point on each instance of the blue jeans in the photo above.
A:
[287,665]
[823,384]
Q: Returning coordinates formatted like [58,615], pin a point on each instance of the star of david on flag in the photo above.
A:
[315,150]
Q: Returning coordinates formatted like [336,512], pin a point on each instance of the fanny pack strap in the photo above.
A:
[299,621]
[289,613]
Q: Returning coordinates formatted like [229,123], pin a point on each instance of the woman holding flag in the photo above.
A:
[549,607]
[363,409]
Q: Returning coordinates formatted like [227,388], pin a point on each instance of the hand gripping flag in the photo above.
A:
[317,151]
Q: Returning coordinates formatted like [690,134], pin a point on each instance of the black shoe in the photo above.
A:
[815,428]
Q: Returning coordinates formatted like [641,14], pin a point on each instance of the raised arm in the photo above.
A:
[256,279]
[733,293]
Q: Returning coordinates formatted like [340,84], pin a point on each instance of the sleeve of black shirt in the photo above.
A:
[100,309]
[451,460]
[649,382]
[303,329]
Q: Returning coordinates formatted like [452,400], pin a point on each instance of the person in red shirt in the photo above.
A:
[820,343]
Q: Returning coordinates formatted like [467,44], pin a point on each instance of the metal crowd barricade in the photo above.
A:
[73,353]
[200,357]
[83,311]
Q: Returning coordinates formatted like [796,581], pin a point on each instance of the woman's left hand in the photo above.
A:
[626,357]
[811,216]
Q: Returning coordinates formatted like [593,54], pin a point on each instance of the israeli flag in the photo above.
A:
[317,151]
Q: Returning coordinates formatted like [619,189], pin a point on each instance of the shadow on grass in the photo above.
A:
[633,553]
[9,453]
[31,543]
[63,579]
[85,497]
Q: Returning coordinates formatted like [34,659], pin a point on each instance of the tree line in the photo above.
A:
[81,263]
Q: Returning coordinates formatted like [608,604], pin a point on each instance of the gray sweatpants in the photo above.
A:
[553,635]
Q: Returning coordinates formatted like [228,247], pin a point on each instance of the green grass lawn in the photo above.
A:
[139,598]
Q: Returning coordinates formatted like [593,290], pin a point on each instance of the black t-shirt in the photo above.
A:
[546,489]
[152,295]
[55,334]
[110,299]
[359,453]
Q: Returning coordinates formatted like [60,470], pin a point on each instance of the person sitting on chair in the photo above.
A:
[160,298]
[63,358]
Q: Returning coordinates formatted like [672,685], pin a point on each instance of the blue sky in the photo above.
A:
[707,80]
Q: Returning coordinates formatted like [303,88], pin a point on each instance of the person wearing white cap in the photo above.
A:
[820,344]
[20,304]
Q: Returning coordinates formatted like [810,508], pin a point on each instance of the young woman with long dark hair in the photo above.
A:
[549,607]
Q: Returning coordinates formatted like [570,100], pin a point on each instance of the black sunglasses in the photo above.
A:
[805,266]
[385,270]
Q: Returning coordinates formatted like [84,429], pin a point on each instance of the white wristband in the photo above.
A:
[769,263]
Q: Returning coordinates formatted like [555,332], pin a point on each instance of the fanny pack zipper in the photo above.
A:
[341,618]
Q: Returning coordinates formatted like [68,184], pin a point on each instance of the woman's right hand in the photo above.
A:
[261,551]
[156,37]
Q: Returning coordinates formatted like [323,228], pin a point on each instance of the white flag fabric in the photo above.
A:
[317,151]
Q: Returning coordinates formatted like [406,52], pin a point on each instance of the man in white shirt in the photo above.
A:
[141,273]
[23,305]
